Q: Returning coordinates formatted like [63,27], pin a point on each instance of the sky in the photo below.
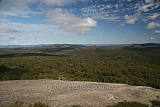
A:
[33,22]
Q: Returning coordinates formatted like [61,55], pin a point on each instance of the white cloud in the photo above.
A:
[9,4]
[22,4]
[158,31]
[152,25]
[152,38]
[13,42]
[21,30]
[62,2]
[156,37]
[29,33]
[36,36]
[132,19]
[154,16]
[112,18]
[17,8]
[19,13]
[146,7]
[3,34]
[149,1]
[100,33]
[129,0]
[122,24]
[6,31]
[69,21]
[102,12]
[11,38]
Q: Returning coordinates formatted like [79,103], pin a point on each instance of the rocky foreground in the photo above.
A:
[66,93]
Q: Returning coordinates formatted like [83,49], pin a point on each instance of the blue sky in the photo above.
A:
[31,22]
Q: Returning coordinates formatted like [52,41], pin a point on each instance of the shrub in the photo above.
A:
[155,103]
[17,104]
[21,104]
[76,106]
[5,78]
[38,104]
[129,104]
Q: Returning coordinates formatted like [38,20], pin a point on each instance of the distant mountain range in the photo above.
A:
[16,46]
[75,45]
[43,45]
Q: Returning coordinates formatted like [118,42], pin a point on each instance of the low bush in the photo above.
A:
[129,104]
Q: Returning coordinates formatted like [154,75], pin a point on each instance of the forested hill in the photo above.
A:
[130,64]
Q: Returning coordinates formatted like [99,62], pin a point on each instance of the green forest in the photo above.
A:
[128,64]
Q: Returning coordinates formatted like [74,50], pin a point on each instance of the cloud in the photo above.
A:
[158,31]
[104,11]
[122,24]
[156,37]
[6,31]
[36,36]
[149,1]
[2,30]
[23,4]
[152,25]
[23,30]
[17,8]
[145,7]
[152,38]
[154,16]
[2,35]
[69,21]
[132,18]
[150,5]
[9,4]
[129,0]
[19,13]
[11,38]
[13,42]
[100,33]
[132,11]
[62,2]
[112,18]
[32,32]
